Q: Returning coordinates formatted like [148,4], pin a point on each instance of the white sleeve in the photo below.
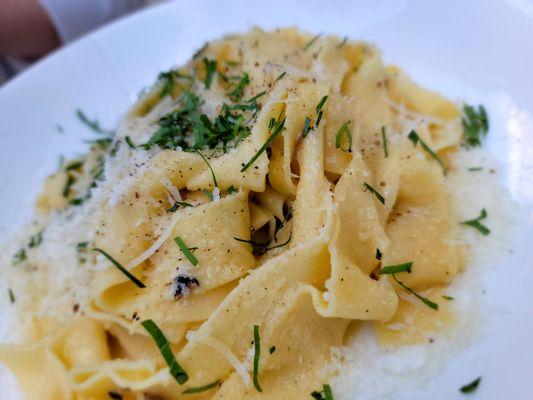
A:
[73,18]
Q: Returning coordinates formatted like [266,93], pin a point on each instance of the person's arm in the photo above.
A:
[26,30]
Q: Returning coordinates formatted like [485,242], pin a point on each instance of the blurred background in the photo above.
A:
[31,29]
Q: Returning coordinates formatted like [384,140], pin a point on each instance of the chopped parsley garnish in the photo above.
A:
[476,224]
[238,91]
[259,249]
[449,298]
[341,44]
[475,125]
[200,50]
[413,137]
[93,124]
[379,255]
[11,296]
[210,69]
[181,244]
[73,165]
[177,205]
[82,248]
[471,387]
[319,110]
[189,129]
[19,256]
[200,389]
[324,394]
[378,195]
[162,343]
[394,269]
[311,42]
[128,141]
[60,129]
[276,127]
[306,128]
[281,76]
[208,193]
[473,169]
[344,130]
[68,185]
[36,240]
[121,268]
[272,349]
[385,143]
[257,354]
[209,166]
[328,394]
[406,267]
[423,299]
[257,96]
[231,189]
[168,81]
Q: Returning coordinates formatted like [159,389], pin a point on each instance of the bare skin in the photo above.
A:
[25,30]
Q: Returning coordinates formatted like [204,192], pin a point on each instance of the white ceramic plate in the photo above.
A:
[481,51]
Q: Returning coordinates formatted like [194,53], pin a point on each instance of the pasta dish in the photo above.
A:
[251,208]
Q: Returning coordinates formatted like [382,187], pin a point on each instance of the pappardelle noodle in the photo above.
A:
[250,206]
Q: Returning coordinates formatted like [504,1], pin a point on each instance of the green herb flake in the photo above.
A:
[378,195]
[128,141]
[210,69]
[475,125]
[208,193]
[306,128]
[328,394]
[136,281]
[470,387]
[231,189]
[344,130]
[394,269]
[93,124]
[68,185]
[257,354]
[272,349]
[343,42]
[36,240]
[449,298]
[423,299]
[167,79]
[281,76]
[476,224]
[257,96]
[19,256]
[181,244]
[379,255]
[199,52]
[60,129]
[11,295]
[319,110]
[385,143]
[311,42]
[277,127]
[414,138]
[474,169]
[162,343]
[324,394]
[177,205]
[73,165]
[209,166]
[204,388]
[238,91]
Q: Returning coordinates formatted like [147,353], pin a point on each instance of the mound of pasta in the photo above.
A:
[250,206]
